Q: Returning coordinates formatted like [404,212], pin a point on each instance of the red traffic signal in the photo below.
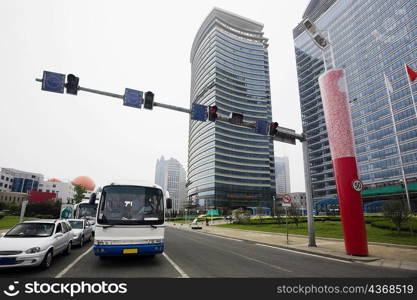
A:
[273,129]
[212,113]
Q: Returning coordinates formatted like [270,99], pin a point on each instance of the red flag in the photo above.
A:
[411,73]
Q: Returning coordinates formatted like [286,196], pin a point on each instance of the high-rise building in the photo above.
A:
[368,38]
[170,175]
[282,175]
[230,166]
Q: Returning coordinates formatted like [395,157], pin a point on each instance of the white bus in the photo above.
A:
[130,219]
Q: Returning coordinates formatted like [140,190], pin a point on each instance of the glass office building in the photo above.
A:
[369,38]
[230,166]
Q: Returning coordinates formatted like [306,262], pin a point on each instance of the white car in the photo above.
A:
[82,231]
[35,243]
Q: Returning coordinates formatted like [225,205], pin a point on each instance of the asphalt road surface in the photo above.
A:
[198,255]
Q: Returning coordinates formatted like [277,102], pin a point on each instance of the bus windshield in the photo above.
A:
[133,205]
[86,210]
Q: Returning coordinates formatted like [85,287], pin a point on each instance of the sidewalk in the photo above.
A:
[385,255]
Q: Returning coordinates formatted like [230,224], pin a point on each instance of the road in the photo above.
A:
[198,255]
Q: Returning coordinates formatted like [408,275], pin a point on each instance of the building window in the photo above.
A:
[7,178]
[2,177]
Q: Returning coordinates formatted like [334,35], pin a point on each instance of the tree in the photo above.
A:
[260,211]
[397,212]
[240,216]
[79,193]
[294,212]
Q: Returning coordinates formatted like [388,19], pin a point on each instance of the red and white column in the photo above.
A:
[336,107]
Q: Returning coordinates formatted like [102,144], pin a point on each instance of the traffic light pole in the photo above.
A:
[103,93]
[283,134]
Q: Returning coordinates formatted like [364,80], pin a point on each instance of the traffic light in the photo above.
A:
[148,100]
[212,113]
[236,118]
[273,129]
[72,84]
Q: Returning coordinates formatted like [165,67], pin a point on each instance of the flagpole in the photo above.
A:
[411,89]
[398,144]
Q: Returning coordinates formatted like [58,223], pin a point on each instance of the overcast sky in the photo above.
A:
[112,45]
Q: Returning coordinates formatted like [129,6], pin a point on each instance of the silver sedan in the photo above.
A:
[82,231]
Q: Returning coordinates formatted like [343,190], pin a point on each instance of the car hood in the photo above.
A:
[76,231]
[23,244]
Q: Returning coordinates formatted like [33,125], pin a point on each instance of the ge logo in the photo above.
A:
[391,29]
[11,291]
[357,185]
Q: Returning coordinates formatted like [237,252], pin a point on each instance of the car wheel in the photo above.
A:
[82,241]
[68,249]
[47,260]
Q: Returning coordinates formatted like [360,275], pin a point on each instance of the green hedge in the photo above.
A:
[40,216]
[387,224]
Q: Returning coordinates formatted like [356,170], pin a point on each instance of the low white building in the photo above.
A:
[63,189]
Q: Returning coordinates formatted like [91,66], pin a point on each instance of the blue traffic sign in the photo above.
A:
[133,98]
[53,82]
[261,127]
[199,112]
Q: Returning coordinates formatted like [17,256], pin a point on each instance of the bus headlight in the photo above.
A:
[155,241]
[103,242]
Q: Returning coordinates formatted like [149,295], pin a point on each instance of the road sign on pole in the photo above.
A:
[261,127]
[53,82]
[199,112]
[133,98]
[286,200]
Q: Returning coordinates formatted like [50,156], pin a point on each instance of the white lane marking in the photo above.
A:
[73,263]
[181,271]
[219,236]
[309,254]
[240,255]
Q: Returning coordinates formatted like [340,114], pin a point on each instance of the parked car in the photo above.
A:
[82,230]
[35,243]
[195,224]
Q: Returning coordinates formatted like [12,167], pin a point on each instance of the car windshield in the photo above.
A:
[76,224]
[31,230]
[86,210]
[131,205]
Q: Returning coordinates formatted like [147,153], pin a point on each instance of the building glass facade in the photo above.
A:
[230,166]
[369,38]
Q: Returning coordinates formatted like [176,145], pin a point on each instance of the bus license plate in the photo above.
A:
[130,251]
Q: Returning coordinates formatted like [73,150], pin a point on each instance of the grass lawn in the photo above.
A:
[333,229]
[10,221]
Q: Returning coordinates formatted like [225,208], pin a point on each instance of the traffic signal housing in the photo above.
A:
[212,113]
[72,84]
[148,100]
[236,119]
[273,129]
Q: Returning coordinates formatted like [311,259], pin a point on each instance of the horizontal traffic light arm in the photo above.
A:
[94,91]
[283,134]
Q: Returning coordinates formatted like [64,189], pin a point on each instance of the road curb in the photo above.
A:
[325,238]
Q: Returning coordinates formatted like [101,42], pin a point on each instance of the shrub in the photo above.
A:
[40,216]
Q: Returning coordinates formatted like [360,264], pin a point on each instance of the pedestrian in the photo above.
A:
[207,222]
